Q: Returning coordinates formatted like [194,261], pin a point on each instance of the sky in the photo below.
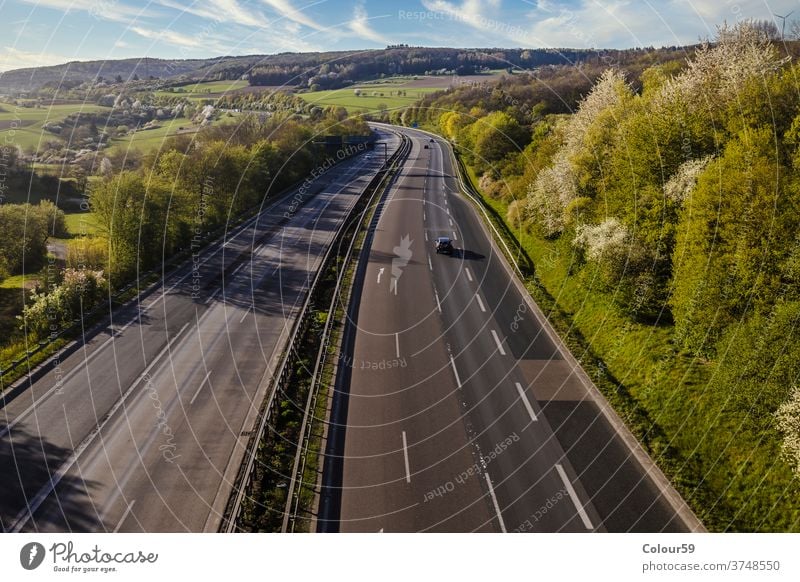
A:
[46,32]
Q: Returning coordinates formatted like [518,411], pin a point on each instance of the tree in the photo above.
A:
[735,230]
[24,230]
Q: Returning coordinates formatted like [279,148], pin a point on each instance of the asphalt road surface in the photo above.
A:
[462,412]
[143,426]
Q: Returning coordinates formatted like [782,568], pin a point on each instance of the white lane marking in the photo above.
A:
[494,502]
[26,513]
[499,345]
[397,344]
[571,490]
[246,313]
[424,217]
[455,371]
[426,236]
[480,303]
[469,275]
[214,294]
[405,455]
[379,274]
[451,222]
[525,401]
[455,236]
[203,383]
[430,265]
[237,269]
[438,304]
[124,516]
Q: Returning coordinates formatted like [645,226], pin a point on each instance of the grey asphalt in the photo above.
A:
[143,425]
[463,413]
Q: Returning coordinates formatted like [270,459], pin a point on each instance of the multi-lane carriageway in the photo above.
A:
[460,409]
[144,424]
[463,411]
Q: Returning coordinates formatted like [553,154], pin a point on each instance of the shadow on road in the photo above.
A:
[27,463]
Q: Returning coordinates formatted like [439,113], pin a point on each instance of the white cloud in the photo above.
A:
[287,10]
[220,11]
[359,25]
[12,58]
[481,15]
[169,36]
[100,9]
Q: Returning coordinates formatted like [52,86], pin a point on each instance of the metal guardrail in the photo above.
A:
[281,379]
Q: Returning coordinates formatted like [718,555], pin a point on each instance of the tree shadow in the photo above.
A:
[28,462]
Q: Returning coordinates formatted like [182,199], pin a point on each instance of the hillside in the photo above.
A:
[327,69]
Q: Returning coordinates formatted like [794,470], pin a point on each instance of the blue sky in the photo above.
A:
[43,32]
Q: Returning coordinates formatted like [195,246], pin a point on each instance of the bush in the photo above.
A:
[80,291]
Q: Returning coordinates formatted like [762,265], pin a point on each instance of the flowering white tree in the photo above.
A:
[610,237]
[720,71]
[788,420]
[680,185]
[555,187]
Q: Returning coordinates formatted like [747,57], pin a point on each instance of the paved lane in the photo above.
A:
[464,411]
[144,427]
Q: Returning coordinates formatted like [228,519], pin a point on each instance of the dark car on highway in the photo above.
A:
[443,245]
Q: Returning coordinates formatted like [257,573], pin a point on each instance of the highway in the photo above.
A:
[142,426]
[463,411]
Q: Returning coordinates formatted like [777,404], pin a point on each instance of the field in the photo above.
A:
[384,92]
[153,138]
[82,224]
[373,97]
[22,126]
[203,90]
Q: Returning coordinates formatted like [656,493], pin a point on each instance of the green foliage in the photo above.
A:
[59,305]
[735,232]
[664,223]
[760,362]
[24,230]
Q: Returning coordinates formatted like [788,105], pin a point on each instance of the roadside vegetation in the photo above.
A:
[661,214]
[56,267]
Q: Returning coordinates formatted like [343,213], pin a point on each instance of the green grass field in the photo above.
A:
[152,138]
[82,224]
[203,90]
[22,126]
[373,96]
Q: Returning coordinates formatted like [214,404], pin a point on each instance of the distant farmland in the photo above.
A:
[393,93]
